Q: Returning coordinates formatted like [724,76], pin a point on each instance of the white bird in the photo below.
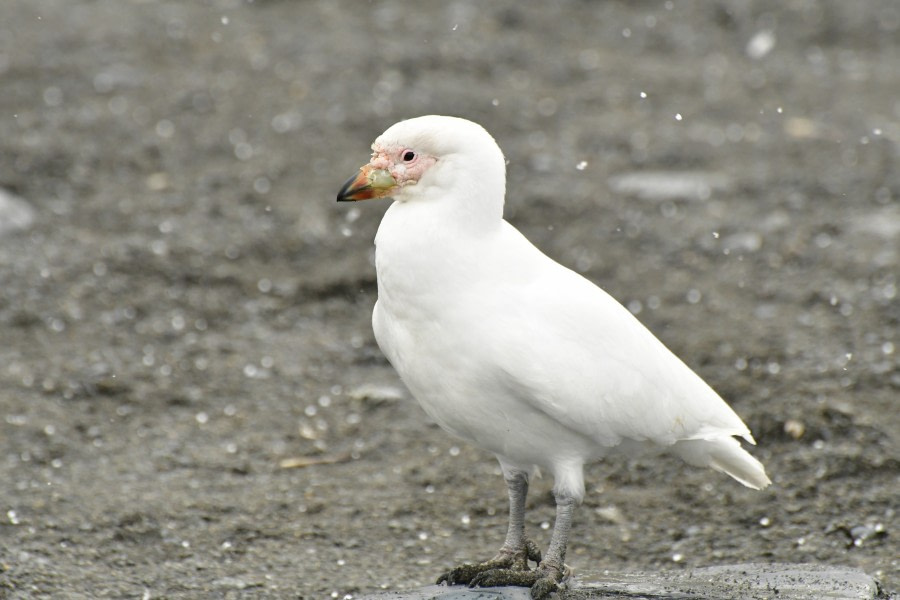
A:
[508,349]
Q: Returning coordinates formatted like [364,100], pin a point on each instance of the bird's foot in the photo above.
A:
[543,581]
[512,561]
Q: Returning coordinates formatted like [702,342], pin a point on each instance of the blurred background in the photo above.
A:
[192,403]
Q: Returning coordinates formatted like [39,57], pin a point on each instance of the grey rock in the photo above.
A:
[376,393]
[455,592]
[669,185]
[235,583]
[751,581]
[15,213]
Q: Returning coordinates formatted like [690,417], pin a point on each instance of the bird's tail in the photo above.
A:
[724,454]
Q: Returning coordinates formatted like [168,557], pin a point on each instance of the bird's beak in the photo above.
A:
[367,183]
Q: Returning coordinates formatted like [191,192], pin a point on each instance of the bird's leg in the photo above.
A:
[551,571]
[517,550]
[553,568]
[516,544]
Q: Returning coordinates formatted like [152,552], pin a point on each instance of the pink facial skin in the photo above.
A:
[397,161]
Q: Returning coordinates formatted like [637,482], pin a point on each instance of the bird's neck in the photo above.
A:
[423,254]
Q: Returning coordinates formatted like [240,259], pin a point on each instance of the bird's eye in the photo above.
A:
[409,156]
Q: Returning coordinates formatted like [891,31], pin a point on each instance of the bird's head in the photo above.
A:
[432,158]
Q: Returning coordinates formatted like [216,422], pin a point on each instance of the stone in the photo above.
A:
[750,581]
[15,213]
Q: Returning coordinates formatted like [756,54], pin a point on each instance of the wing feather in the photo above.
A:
[628,384]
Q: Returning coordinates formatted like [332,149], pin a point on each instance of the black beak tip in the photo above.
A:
[347,190]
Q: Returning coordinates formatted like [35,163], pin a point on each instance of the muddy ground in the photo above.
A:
[184,310]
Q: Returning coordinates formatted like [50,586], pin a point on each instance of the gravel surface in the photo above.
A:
[192,401]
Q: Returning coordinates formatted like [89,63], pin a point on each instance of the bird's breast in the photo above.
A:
[422,267]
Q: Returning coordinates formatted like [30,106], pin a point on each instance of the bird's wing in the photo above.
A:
[568,349]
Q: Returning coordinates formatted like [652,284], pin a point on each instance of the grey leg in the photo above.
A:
[517,550]
[553,567]
[556,553]
[550,572]
[517,484]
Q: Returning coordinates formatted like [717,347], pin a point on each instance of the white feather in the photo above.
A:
[506,348]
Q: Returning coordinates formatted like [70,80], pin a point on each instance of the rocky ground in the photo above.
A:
[193,404]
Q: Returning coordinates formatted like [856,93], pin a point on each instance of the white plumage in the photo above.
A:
[508,349]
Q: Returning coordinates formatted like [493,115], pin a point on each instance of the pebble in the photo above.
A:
[15,213]
[376,393]
[670,185]
[235,583]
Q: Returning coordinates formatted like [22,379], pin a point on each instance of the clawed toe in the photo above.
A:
[503,577]
[461,575]
[543,581]
[458,575]
[543,587]
[466,573]
[506,561]
[532,552]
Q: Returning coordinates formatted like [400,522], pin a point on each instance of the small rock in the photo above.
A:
[15,213]
[861,533]
[235,583]
[760,44]
[376,393]
[157,182]
[858,535]
[746,241]
[802,128]
[883,223]
[670,185]
[612,514]
[794,428]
